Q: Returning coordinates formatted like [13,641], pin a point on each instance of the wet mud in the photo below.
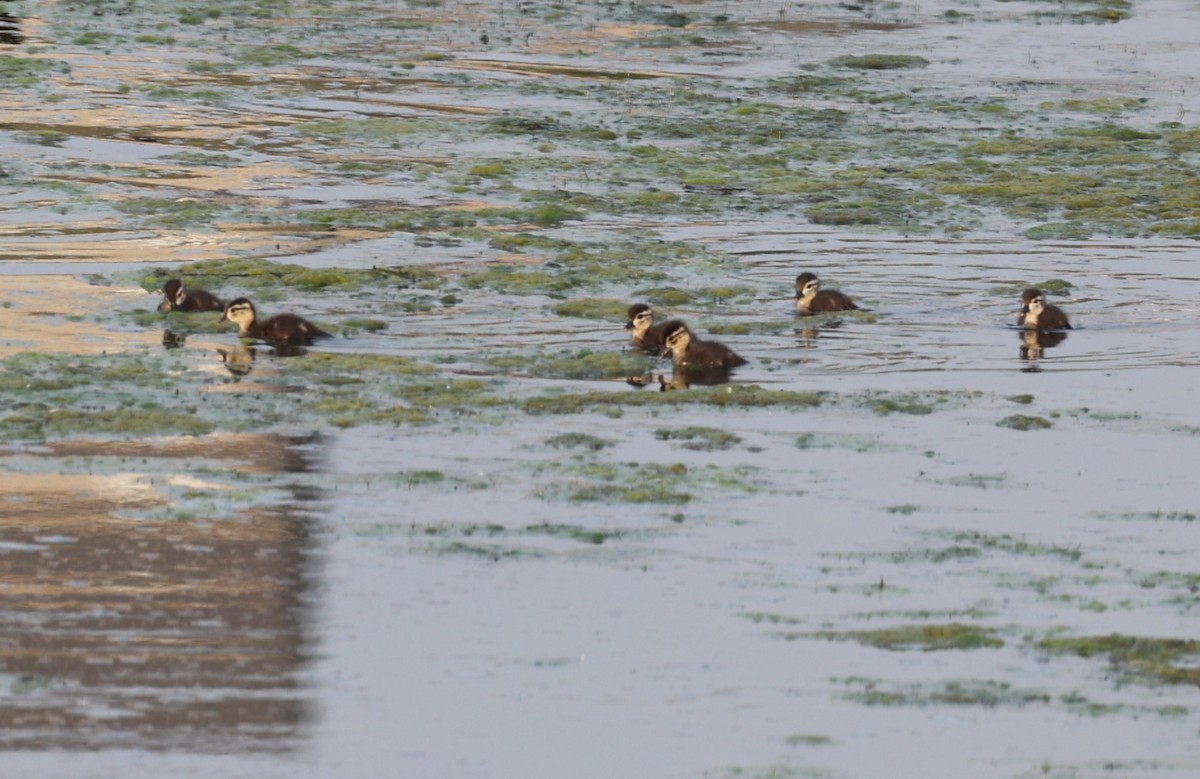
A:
[477,533]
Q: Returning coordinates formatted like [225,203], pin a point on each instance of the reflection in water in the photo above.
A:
[239,360]
[807,334]
[684,377]
[1035,342]
[154,633]
[10,30]
[173,340]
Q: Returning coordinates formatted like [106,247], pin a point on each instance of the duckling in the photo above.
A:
[180,298]
[643,332]
[687,350]
[281,328]
[811,299]
[1037,314]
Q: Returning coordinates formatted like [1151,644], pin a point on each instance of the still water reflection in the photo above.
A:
[125,623]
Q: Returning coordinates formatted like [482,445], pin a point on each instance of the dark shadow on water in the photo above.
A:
[127,626]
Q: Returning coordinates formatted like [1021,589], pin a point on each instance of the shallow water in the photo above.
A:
[497,586]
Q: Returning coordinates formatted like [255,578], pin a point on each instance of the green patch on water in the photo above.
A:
[613,403]
[966,692]
[582,534]
[582,364]
[579,441]
[594,308]
[926,638]
[20,71]
[1137,658]
[879,61]
[1024,422]
[703,439]
[1158,515]
[1015,545]
[257,276]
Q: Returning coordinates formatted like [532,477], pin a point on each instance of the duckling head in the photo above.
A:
[1033,301]
[676,337]
[175,294]
[641,317]
[807,285]
[240,312]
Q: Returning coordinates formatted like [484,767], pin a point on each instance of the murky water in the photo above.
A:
[934,546]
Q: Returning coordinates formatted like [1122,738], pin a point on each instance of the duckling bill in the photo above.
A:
[179,297]
[811,299]
[1037,314]
[643,333]
[686,350]
[281,328]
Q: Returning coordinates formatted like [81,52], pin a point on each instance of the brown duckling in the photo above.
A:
[811,299]
[180,298]
[1037,314]
[687,350]
[281,328]
[643,332]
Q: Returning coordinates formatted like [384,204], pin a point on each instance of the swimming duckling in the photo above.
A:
[643,332]
[687,350]
[811,299]
[282,328]
[180,298]
[1037,314]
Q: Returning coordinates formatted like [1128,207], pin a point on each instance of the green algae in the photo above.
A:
[584,535]
[966,692]
[926,638]
[879,61]
[579,441]
[16,71]
[1144,659]
[582,364]
[593,308]
[259,275]
[725,396]
[1024,422]
[701,439]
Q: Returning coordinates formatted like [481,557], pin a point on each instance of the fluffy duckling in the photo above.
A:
[687,350]
[1037,314]
[643,332]
[180,298]
[811,299]
[281,328]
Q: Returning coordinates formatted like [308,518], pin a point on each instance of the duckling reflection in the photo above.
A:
[178,297]
[173,340]
[686,377]
[239,360]
[807,334]
[1034,343]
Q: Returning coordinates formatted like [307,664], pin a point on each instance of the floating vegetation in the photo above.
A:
[726,396]
[879,61]
[1151,660]
[1023,422]
[579,441]
[966,692]
[703,439]
[926,638]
